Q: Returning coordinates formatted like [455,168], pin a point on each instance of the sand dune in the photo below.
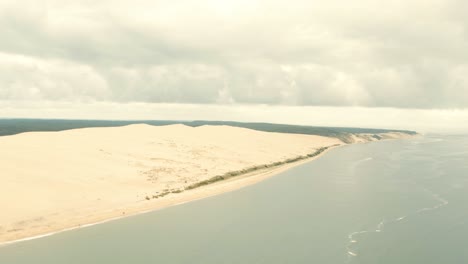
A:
[50,181]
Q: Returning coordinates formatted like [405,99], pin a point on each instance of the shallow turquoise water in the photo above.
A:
[387,202]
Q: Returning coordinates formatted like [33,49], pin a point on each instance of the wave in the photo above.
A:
[353,237]
[358,162]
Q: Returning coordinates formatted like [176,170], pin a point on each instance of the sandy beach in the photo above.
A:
[53,181]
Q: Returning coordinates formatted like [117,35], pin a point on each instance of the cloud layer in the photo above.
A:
[406,54]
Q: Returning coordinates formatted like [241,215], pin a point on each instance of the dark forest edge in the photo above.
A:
[16,126]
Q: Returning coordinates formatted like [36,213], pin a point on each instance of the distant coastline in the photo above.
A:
[15,126]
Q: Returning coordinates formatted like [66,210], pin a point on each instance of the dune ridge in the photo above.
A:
[52,181]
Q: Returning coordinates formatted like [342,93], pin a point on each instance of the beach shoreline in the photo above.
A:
[203,192]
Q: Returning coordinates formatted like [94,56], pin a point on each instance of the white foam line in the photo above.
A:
[380,227]
[63,230]
[363,160]
[435,196]
[353,240]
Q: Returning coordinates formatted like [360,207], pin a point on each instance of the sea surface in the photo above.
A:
[391,202]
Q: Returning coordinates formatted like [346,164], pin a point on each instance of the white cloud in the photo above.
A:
[28,78]
[407,54]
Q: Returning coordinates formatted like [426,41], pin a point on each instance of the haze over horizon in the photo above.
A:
[398,64]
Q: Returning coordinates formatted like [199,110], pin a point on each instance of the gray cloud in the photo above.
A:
[353,53]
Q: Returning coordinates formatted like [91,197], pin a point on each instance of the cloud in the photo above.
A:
[28,78]
[334,53]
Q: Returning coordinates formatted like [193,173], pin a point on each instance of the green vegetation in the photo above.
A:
[232,174]
[156,196]
[254,168]
[164,193]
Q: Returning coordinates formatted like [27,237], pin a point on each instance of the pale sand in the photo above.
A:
[53,181]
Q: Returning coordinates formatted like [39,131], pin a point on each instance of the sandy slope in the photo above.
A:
[50,181]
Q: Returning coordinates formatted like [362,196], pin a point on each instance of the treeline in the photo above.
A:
[232,174]
[15,126]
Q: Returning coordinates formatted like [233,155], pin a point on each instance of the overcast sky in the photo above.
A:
[397,54]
